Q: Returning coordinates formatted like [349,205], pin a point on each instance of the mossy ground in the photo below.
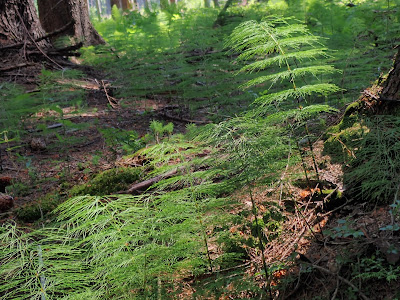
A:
[108,182]
[104,183]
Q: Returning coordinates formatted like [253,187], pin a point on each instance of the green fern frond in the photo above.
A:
[281,59]
[297,72]
[275,41]
[306,90]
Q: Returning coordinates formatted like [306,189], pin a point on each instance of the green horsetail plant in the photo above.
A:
[255,144]
[275,43]
[250,153]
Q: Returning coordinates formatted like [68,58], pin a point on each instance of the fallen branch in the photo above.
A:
[66,51]
[138,187]
[113,102]
[68,48]
[36,44]
[53,126]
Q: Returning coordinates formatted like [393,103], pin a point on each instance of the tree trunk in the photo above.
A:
[19,23]
[146,5]
[56,14]
[216,3]
[22,39]
[121,4]
[98,8]
[207,3]
[391,87]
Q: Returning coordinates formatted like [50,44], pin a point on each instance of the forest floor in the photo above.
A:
[42,165]
[326,245]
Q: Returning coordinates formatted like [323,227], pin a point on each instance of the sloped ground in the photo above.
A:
[335,237]
[65,155]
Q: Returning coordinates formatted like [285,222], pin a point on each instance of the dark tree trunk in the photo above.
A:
[22,39]
[56,14]
[19,23]
[391,87]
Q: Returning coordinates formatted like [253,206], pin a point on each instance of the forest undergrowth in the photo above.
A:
[230,168]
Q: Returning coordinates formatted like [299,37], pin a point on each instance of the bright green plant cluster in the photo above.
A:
[122,244]
[374,169]
[158,129]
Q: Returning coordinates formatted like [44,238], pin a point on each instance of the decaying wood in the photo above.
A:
[137,188]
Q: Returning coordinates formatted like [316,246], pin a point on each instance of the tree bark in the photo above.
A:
[216,3]
[55,14]
[121,4]
[19,23]
[391,87]
[20,35]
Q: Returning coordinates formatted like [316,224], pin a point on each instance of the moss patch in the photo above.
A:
[343,141]
[34,211]
[108,182]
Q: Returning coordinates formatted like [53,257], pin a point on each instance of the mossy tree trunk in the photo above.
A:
[54,15]
[391,87]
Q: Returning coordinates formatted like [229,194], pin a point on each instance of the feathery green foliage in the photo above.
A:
[374,171]
[275,42]
[135,247]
